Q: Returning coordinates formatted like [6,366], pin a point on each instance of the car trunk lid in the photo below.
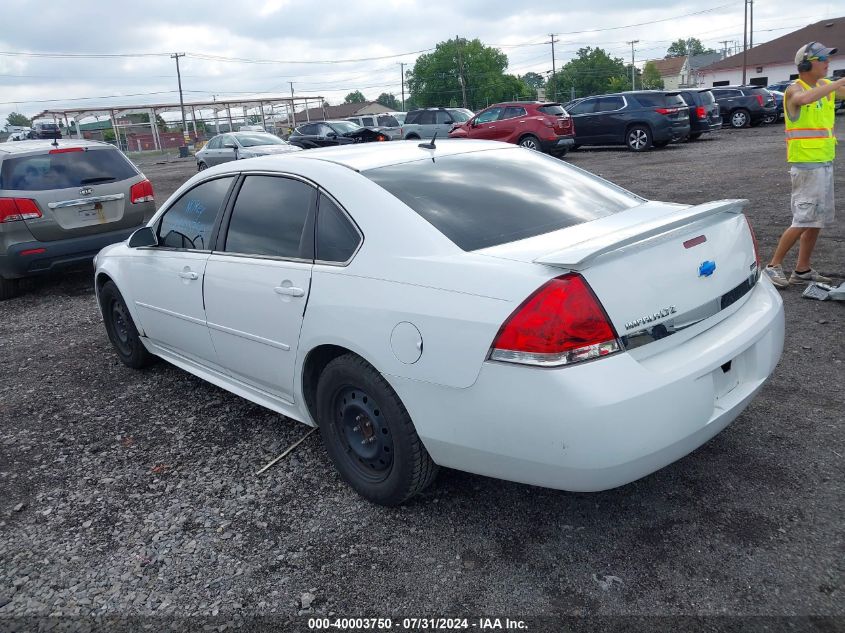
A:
[654,264]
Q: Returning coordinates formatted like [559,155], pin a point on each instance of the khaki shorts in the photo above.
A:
[812,197]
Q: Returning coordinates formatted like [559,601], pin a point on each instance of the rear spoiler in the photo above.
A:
[581,255]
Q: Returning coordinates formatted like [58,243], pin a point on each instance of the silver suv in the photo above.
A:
[424,123]
[61,202]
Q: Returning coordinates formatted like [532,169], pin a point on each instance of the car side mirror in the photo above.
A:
[331,135]
[145,236]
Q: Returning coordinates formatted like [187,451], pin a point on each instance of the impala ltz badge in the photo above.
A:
[86,191]
[651,318]
[706,269]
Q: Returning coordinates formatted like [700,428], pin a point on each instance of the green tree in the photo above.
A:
[388,100]
[535,81]
[591,72]
[355,97]
[15,118]
[457,67]
[651,79]
[691,46]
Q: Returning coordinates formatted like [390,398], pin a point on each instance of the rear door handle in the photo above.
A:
[187,274]
[290,291]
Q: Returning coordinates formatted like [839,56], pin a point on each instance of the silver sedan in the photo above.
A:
[237,145]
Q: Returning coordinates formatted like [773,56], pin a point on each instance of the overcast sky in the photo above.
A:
[328,49]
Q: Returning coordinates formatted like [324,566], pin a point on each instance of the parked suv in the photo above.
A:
[639,119]
[60,205]
[535,125]
[742,106]
[385,123]
[424,123]
[704,114]
[46,130]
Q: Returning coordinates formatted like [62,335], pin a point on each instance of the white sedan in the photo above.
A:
[472,305]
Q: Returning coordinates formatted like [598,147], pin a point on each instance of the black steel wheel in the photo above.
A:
[369,435]
[121,329]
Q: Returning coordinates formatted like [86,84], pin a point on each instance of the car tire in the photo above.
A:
[201,166]
[9,288]
[529,141]
[638,138]
[694,137]
[770,118]
[412,137]
[121,329]
[740,118]
[369,435]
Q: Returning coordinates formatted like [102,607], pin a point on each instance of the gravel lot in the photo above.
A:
[134,494]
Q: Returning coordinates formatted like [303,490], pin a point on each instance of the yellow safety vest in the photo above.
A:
[809,138]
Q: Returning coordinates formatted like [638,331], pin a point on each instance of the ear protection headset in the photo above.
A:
[806,65]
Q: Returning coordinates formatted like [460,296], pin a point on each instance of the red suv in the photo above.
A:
[536,125]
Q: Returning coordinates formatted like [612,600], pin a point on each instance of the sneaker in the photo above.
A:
[776,276]
[810,276]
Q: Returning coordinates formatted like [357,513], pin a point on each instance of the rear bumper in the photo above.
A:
[608,422]
[557,144]
[676,132]
[702,127]
[16,262]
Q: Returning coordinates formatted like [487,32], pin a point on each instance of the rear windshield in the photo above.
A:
[555,108]
[659,99]
[706,97]
[64,170]
[494,197]
[387,121]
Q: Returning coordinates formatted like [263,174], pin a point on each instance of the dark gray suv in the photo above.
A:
[61,202]
[639,119]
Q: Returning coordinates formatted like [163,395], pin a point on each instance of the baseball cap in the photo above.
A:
[813,49]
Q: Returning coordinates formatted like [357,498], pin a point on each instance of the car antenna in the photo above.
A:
[55,142]
[430,144]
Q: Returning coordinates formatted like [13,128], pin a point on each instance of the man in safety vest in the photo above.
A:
[808,110]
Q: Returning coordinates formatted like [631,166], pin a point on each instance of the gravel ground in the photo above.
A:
[133,494]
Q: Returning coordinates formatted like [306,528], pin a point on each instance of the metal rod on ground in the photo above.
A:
[288,450]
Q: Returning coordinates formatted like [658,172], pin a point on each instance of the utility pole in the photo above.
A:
[292,112]
[744,39]
[751,25]
[632,42]
[724,44]
[554,72]
[461,71]
[402,67]
[185,136]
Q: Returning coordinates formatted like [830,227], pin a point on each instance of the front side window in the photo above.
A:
[426,118]
[443,118]
[337,238]
[189,222]
[583,107]
[308,130]
[367,120]
[489,115]
[269,218]
[215,143]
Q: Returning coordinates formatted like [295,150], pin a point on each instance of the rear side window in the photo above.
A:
[269,218]
[609,104]
[413,117]
[519,196]
[388,121]
[513,112]
[337,238]
[554,109]
[188,223]
[65,170]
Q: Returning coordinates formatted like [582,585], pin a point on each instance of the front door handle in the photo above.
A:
[290,291]
[187,274]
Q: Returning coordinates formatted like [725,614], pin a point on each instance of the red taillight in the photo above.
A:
[33,251]
[754,241]
[700,112]
[759,99]
[666,110]
[65,150]
[17,209]
[560,324]
[141,192]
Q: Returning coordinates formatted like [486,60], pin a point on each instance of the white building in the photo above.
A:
[775,60]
